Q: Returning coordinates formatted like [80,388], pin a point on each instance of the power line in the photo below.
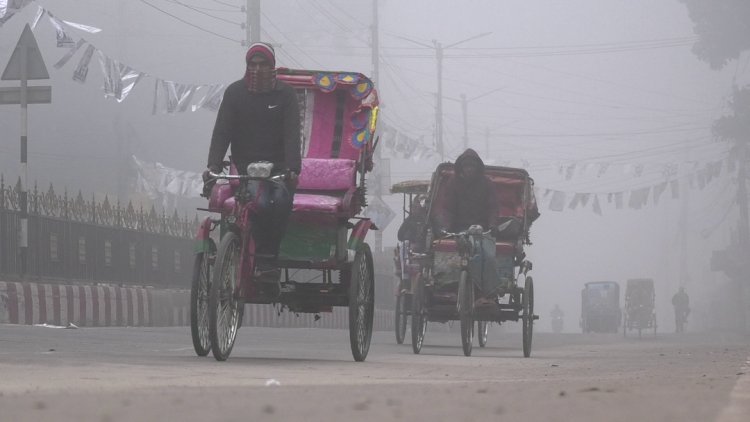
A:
[189,23]
[195,9]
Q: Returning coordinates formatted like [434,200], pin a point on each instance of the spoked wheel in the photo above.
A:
[223,303]
[199,299]
[418,317]
[528,315]
[361,303]
[483,328]
[466,311]
[401,317]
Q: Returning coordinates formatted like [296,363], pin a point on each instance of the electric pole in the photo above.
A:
[439,49]
[464,108]
[252,22]
[375,45]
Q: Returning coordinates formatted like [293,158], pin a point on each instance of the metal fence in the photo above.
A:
[72,238]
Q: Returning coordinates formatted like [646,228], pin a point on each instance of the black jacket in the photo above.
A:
[258,126]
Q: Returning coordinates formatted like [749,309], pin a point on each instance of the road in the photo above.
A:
[144,374]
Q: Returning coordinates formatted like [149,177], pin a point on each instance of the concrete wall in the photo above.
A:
[108,305]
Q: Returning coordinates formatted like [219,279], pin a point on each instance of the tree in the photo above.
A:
[722,27]
[735,127]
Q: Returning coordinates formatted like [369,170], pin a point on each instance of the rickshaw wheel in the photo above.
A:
[223,305]
[361,303]
[418,317]
[400,320]
[466,311]
[528,315]
[199,300]
[483,328]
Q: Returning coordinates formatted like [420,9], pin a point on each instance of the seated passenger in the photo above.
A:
[412,229]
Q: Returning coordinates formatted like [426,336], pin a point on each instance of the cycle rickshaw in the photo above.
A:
[325,232]
[454,272]
[600,307]
[414,195]
[640,309]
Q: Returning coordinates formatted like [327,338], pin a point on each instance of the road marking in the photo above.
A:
[739,400]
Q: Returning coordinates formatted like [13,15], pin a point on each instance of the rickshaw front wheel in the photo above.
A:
[466,311]
[418,317]
[223,304]
[199,292]
[361,303]
[528,315]
[483,328]
[400,318]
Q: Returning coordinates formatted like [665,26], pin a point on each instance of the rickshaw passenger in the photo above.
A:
[259,119]
[413,227]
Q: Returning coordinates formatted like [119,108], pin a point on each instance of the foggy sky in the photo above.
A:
[553,107]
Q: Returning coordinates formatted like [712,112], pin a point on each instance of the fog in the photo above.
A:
[590,84]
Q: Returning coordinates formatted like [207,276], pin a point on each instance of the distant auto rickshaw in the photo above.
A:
[600,307]
[640,308]
[414,195]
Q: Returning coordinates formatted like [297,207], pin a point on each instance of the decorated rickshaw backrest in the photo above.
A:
[339,112]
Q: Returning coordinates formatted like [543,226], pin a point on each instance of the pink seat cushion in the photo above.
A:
[324,203]
[329,174]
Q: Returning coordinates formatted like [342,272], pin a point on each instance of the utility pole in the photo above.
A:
[252,22]
[486,142]
[683,229]
[439,49]
[464,107]
[439,104]
[375,45]
[744,235]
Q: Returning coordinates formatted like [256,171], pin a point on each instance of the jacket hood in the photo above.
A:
[469,155]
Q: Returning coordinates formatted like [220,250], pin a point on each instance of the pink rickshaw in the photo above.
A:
[325,235]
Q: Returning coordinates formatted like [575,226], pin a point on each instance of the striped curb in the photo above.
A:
[108,305]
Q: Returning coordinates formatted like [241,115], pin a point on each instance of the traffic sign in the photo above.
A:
[34,66]
[34,95]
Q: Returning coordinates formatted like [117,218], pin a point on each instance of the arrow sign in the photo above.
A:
[35,67]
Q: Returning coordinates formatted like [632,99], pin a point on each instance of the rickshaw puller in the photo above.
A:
[259,119]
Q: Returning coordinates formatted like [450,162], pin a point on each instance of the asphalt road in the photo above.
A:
[152,374]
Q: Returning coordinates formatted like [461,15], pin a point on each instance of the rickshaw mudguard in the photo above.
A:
[202,237]
[359,232]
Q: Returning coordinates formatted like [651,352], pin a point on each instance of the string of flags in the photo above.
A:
[636,199]
[119,78]
[398,144]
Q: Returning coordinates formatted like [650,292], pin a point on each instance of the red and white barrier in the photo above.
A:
[107,305]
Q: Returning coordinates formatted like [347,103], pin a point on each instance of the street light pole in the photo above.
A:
[439,50]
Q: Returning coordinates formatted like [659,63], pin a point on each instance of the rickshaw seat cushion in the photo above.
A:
[327,174]
[312,202]
[449,245]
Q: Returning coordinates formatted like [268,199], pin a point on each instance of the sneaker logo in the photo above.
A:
[272,106]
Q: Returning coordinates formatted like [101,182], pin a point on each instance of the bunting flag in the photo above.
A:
[157,180]
[8,8]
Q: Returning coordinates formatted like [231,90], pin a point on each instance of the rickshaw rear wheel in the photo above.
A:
[401,317]
[199,292]
[361,303]
[223,304]
[528,315]
[483,328]
[418,317]
[466,311]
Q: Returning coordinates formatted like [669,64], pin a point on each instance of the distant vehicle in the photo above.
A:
[600,307]
[640,309]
